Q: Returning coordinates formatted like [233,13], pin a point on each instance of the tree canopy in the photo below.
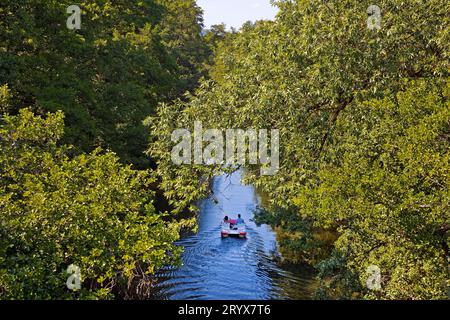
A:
[88,210]
[106,77]
[363,115]
[364,123]
[65,97]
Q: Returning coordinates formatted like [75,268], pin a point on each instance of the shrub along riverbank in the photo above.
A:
[363,116]
[364,128]
[68,194]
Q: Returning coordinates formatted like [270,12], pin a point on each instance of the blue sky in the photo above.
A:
[235,12]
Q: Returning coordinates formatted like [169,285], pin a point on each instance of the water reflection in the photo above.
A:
[231,268]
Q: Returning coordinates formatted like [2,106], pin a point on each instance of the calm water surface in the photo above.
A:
[232,268]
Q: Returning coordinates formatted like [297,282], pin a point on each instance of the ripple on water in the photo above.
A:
[232,268]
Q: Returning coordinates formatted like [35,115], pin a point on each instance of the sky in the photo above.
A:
[235,12]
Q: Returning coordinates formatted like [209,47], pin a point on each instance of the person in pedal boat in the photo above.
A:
[240,220]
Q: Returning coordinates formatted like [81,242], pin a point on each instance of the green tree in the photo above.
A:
[385,188]
[108,76]
[182,32]
[89,210]
[354,108]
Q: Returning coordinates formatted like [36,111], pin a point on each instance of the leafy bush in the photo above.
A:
[89,210]
[364,121]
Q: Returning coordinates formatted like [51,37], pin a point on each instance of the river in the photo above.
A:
[232,268]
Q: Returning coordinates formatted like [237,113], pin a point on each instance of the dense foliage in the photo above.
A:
[364,122]
[181,31]
[63,200]
[363,115]
[88,210]
[109,75]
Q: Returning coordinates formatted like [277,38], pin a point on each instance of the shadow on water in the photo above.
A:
[232,268]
